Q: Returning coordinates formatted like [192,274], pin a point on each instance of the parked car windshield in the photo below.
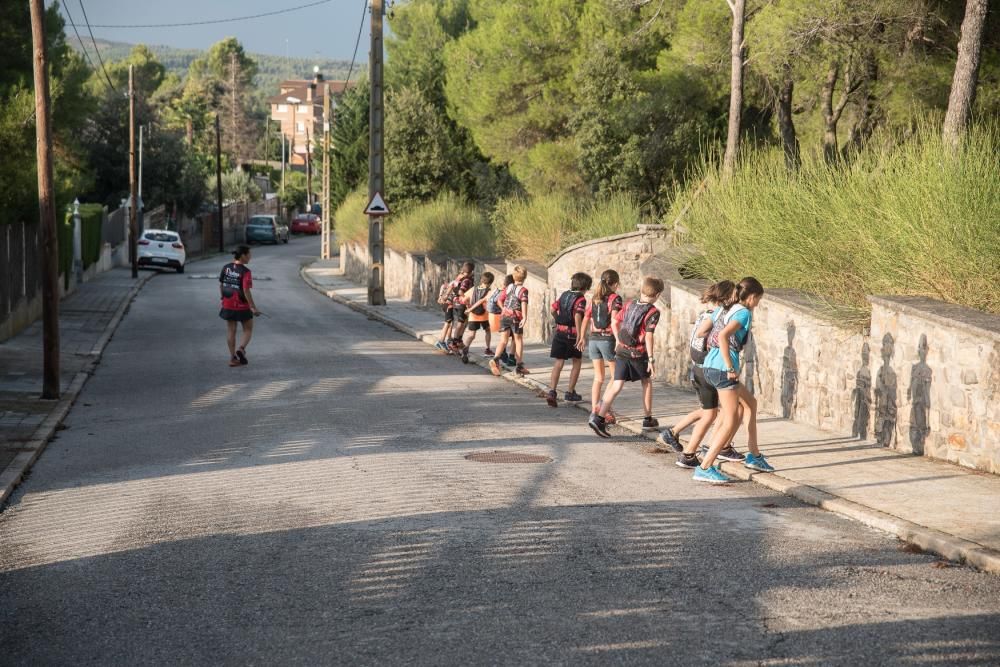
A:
[160,236]
[260,222]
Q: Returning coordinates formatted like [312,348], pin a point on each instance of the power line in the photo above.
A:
[357,43]
[83,48]
[214,21]
[96,50]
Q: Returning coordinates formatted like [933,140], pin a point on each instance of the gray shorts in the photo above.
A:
[601,347]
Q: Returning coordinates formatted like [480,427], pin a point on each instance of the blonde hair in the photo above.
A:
[652,286]
[519,273]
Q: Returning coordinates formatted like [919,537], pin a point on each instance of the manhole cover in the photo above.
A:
[507,457]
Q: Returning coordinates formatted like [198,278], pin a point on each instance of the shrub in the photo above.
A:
[909,219]
[447,224]
[350,222]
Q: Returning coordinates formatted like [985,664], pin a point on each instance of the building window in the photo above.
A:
[304,108]
[282,108]
[300,126]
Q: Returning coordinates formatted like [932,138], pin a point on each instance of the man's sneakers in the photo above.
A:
[495,367]
[688,461]
[730,454]
[599,426]
[649,423]
[757,462]
[710,476]
[234,361]
[670,440]
[550,398]
[241,354]
[572,397]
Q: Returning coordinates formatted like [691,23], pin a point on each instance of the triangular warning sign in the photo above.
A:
[377,206]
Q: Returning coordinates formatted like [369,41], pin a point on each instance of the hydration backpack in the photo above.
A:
[719,324]
[635,315]
[699,344]
[600,313]
[512,300]
[493,304]
[232,281]
[447,292]
[477,294]
[565,316]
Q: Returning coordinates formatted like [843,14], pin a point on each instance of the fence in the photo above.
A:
[21,284]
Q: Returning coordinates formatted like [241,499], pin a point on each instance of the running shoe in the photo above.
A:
[520,369]
[242,356]
[507,360]
[235,361]
[668,438]
[611,418]
[599,426]
[712,476]
[441,345]
[465,356]
[495,367]
[688,461]
[650,423]
[550,398]
[572,397]
[758,463]
[730,454]
[488,352]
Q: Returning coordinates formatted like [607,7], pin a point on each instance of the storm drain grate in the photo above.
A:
[506,457]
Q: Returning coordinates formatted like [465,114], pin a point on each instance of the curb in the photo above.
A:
[15,471]
[947,546]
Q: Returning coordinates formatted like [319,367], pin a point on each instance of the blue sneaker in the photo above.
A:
[713,476]
[441,345]
[758,463]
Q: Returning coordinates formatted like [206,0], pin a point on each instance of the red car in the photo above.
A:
[306,223]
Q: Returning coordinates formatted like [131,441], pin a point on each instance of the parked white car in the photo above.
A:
[161,247]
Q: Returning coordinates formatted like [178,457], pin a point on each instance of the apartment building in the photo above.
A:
[298,107]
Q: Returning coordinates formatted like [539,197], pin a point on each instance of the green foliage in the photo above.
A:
[296,192]
[350,222]
[911,218]
[237,185]
[349,139]
[448,224]
[91,221]
[538,228]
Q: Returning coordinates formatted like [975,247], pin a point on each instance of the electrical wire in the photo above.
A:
[214,21]
[357,43]
[96,50]
[86,54]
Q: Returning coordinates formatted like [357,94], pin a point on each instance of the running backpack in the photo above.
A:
[699,344]
[493,304]
[447,292]
[635,315]
[512,301]
[600,313]
[565,316]
[477,294]
[718,325]
[232,281]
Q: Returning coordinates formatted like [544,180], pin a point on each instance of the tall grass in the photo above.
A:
[905,219]
[538,228]
[447,224]
[350,222]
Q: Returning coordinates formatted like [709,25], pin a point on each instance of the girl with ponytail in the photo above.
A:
[601,346]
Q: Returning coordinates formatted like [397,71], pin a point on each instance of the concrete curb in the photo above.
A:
[15,471]
[942,544]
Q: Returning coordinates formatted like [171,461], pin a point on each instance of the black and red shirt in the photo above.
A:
[459,286]
[613,303]
[235,279]
[514,300]
[573,303]
[648,325]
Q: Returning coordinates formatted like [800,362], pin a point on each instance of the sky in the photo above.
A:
[327,30]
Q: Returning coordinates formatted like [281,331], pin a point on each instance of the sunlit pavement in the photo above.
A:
[316,506]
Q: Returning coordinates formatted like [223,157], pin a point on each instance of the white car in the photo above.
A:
[161,247]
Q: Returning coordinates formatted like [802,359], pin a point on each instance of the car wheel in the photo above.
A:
[180,269]
[286,239]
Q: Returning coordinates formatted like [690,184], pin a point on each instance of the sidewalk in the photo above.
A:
[936,506]
[87,320]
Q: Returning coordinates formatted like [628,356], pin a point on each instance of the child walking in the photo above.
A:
[447,298]
[597,321]
[730,331]
[721,294]
[478,317]
[568,310]
[635,324]
[514,300]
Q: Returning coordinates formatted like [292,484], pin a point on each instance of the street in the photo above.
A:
[316,507]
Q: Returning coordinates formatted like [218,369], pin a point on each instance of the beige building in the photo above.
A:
[298,107]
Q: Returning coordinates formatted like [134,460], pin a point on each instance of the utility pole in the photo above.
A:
[232,69]
[218,183]
[139,200]
[133,221]
[325,245]
[309,171]
[376,174]
[282,166]
[46,207]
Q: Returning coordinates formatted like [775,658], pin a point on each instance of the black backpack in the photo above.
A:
[477,294]
[699,344]
[512,300]
[232,281]
[635,315]
[565,316]
[600,314]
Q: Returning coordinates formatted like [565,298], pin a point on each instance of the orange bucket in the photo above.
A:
[495,322]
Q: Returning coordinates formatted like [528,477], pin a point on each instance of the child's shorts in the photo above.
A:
[720,379]
[632,369]
[707,394]
[564,347]
[449,312]
[512,325]
[460,313]
[476,325]
[601,347]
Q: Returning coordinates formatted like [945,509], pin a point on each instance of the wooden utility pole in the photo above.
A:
[232,71]
[326,214]
[376,174]
[133,209]
[309,171]
[46,208]
[218,183]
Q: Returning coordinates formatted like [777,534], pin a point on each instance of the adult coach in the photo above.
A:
[235,283]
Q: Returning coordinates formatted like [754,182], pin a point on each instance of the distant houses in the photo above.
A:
[298,107]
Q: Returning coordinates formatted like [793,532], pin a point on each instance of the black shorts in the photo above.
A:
[476,326]
[707,394]
[460,313]
[564,347]
[449,312]
[231,315]
[511,325]
[631,369]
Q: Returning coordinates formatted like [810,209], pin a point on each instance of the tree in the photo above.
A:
[738,9]
[237,186]
[963,87]
[349,144]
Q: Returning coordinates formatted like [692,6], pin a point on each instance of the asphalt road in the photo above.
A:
[315,507]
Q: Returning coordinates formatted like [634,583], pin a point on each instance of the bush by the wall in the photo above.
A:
[350,222]
[448,224]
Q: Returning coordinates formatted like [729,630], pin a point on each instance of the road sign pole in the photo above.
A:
[376,176]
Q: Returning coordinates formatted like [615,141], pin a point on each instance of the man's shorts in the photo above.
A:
[720,379]
[476,325]
[512,325]
[707,394]
[564,347]
[601,347]
[632,369]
